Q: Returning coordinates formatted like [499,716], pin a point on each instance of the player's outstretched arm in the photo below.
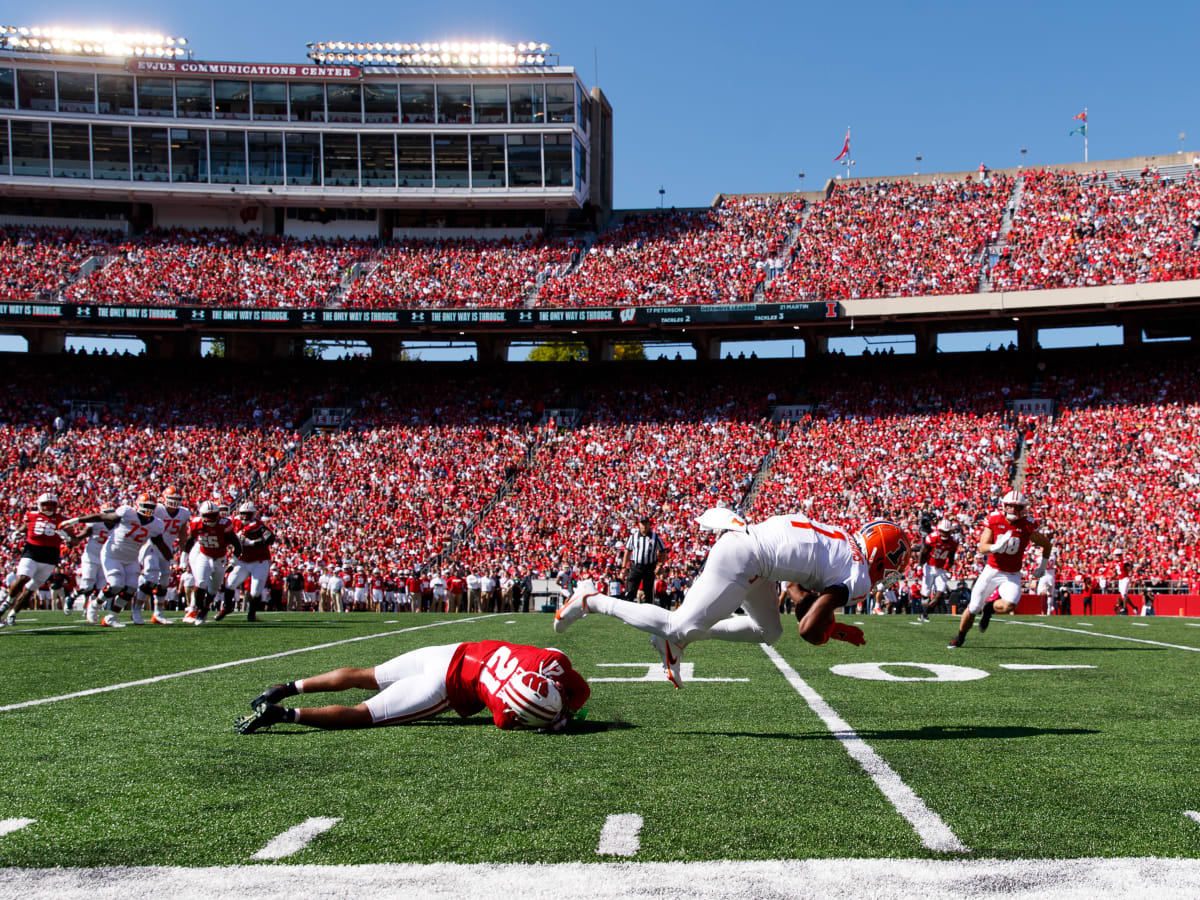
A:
[819,616]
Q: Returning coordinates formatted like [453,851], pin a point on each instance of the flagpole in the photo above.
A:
[1085,131]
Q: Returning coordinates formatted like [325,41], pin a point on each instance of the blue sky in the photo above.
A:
[742,97]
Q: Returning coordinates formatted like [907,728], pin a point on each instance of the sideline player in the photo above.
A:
[1046,586]
[935,558]
[44,538]
[1006,533]
[130,527]
[521,686]
[90,581]
[833,567]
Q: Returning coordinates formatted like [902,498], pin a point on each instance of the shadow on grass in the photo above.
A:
[928,733]
[588,726]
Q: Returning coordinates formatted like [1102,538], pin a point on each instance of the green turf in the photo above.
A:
[1071,763]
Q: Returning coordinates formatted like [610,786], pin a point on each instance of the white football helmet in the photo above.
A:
[209,512]
[247,510]
[47,503]
[1014,504]
[945,528]
[532,698]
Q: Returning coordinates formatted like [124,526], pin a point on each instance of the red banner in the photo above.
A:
[241,70]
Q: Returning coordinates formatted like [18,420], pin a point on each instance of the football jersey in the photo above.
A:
[1023,528]
[43,537]
[811,554]
[941,549]
[255,530]
[479,671]
[130,533]
[1122,569]
[97,533]
[173,524]
[213,540]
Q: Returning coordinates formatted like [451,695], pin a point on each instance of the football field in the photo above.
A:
[1049,757]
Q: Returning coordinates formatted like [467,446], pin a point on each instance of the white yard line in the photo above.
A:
[8,826]
[619,837]
[898,879]
[933,832]
[1100,634]
[226,665]
[1024,667]
[1193,815]
[296,838]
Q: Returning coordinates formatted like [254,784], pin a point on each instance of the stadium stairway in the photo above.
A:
[992,252]
[785,252]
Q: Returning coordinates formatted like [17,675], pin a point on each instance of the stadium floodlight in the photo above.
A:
[432,53]
[91,42]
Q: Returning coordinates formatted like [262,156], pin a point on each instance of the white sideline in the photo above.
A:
[619,836]
[1193,815]
[1101,634]
[8,826]
[896,879]
[236,662]
[295,838]
[933,832]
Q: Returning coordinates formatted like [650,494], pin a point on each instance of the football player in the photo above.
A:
[833,567]
[520,686]
[253,562]
[1006,533]
[205,541]
[935,559]
[44,535]
[130,528]
[156,572]
[90,582]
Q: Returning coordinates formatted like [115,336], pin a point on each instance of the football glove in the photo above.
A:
[851,634]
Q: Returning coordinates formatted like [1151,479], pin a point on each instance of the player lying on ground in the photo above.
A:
[521,686]
[742,569]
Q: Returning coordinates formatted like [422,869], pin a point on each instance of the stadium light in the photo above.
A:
[91,42]
[437,53]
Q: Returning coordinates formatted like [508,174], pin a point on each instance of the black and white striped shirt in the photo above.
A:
[644,548]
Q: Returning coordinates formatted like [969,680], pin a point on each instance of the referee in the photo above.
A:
[643,552]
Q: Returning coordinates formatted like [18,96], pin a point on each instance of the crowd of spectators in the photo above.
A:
[41,261]
[1118,468]
[221,267]
[894,239]
[462,272]
[1077,230]
[678,257]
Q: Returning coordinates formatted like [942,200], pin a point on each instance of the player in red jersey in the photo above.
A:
[1122,574]
[44,538]
[935,558]
[207,537]
[1006,533]
[521,686]
[253,562]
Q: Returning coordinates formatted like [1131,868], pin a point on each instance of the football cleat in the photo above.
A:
[158,618]
[986,616]
[110,621]
[672,656]
[576,606]
[264,716]
[273,694]
[956,643]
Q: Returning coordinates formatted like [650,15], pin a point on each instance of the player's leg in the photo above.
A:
[979,594]
[18,593]
[1010,593]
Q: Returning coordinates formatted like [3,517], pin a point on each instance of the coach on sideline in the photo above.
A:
[643,552]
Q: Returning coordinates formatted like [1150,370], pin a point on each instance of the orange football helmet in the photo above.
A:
[887,549]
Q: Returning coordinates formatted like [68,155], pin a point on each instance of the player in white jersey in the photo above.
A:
[90,580]
[830,566]
[156,571]
[1046,584]
[130,528]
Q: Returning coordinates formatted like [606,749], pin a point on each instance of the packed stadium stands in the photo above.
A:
[460,472]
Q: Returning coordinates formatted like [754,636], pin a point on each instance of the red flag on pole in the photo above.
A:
[845,147]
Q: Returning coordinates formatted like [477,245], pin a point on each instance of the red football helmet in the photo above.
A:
[887,549]
[532,698]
